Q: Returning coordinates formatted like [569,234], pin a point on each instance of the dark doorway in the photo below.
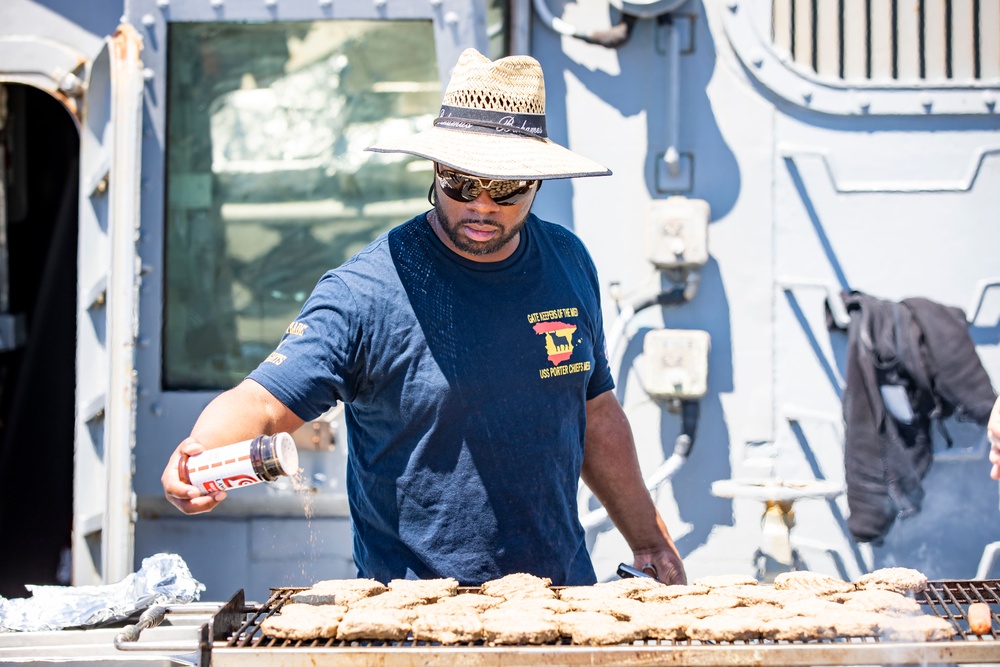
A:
[39,145]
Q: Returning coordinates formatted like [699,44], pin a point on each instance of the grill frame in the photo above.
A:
[234,637]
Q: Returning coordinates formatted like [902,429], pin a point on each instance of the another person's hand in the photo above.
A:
[665,565]
[993,433]
[185,497]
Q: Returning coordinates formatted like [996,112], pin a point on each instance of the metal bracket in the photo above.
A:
[838,311]
[989,557]
[791,152]
[979,297]
[683,27]
[674,176]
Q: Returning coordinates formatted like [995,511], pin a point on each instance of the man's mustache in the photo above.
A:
[474,221]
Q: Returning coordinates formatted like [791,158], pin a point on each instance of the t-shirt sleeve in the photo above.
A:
[601,379]
[313,365]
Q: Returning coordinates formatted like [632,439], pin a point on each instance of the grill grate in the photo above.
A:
[947,599]
[951,599]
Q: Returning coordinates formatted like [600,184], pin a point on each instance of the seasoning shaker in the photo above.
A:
[261,459]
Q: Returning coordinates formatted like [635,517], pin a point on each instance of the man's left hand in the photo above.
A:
[665,565]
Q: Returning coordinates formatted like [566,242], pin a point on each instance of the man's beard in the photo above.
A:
[452,230]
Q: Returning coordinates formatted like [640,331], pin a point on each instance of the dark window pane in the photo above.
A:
[268,183]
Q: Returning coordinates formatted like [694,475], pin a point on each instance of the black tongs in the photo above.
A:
[626,571]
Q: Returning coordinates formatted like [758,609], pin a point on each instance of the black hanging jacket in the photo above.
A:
[908,364]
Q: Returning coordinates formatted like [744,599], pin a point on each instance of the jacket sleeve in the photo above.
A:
[960,381]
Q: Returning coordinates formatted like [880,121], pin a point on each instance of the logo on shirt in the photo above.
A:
[558,340]
[557,336]
[275,358]
[296,329]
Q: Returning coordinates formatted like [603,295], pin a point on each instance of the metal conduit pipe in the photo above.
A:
[552,22]
[611,38]
[689,409]
[670,297]
[618,35]
[672,156]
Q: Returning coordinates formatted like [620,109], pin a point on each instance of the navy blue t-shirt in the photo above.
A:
[465,388]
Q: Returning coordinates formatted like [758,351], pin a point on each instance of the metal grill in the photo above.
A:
[951,600]
[236,638]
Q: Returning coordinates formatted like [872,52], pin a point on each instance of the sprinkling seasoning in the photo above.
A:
[261,459]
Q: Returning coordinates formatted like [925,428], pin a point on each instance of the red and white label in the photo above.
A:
[222,468]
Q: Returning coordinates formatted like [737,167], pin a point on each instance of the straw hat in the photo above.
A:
[492,125]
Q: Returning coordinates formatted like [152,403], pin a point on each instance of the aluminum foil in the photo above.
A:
[162,579]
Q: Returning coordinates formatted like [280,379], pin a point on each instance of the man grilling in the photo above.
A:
[468,348]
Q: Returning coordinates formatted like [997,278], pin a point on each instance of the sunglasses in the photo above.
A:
[465,188]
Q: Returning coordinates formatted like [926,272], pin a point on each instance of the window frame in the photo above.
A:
[165,417]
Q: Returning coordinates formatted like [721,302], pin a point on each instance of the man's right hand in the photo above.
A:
[185,497]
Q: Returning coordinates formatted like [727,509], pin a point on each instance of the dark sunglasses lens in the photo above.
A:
[457,188]
[509,192]
[467,188]
[464,189]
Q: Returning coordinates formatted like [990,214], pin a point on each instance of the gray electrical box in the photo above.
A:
[677,233]
[676,363]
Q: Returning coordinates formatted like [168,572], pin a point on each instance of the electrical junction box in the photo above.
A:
[677,233]
[676,363]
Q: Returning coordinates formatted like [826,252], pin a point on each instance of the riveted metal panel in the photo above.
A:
[816,55]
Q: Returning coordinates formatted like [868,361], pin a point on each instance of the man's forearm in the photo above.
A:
[611,470]
[242,413]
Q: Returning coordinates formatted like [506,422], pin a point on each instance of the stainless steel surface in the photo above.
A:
[174,645]
[777,655]
[174,642]
[245,645]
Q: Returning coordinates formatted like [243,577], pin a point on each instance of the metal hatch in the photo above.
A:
[167,409]
[108,280]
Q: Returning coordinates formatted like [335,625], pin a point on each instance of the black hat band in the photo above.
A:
[488,121]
